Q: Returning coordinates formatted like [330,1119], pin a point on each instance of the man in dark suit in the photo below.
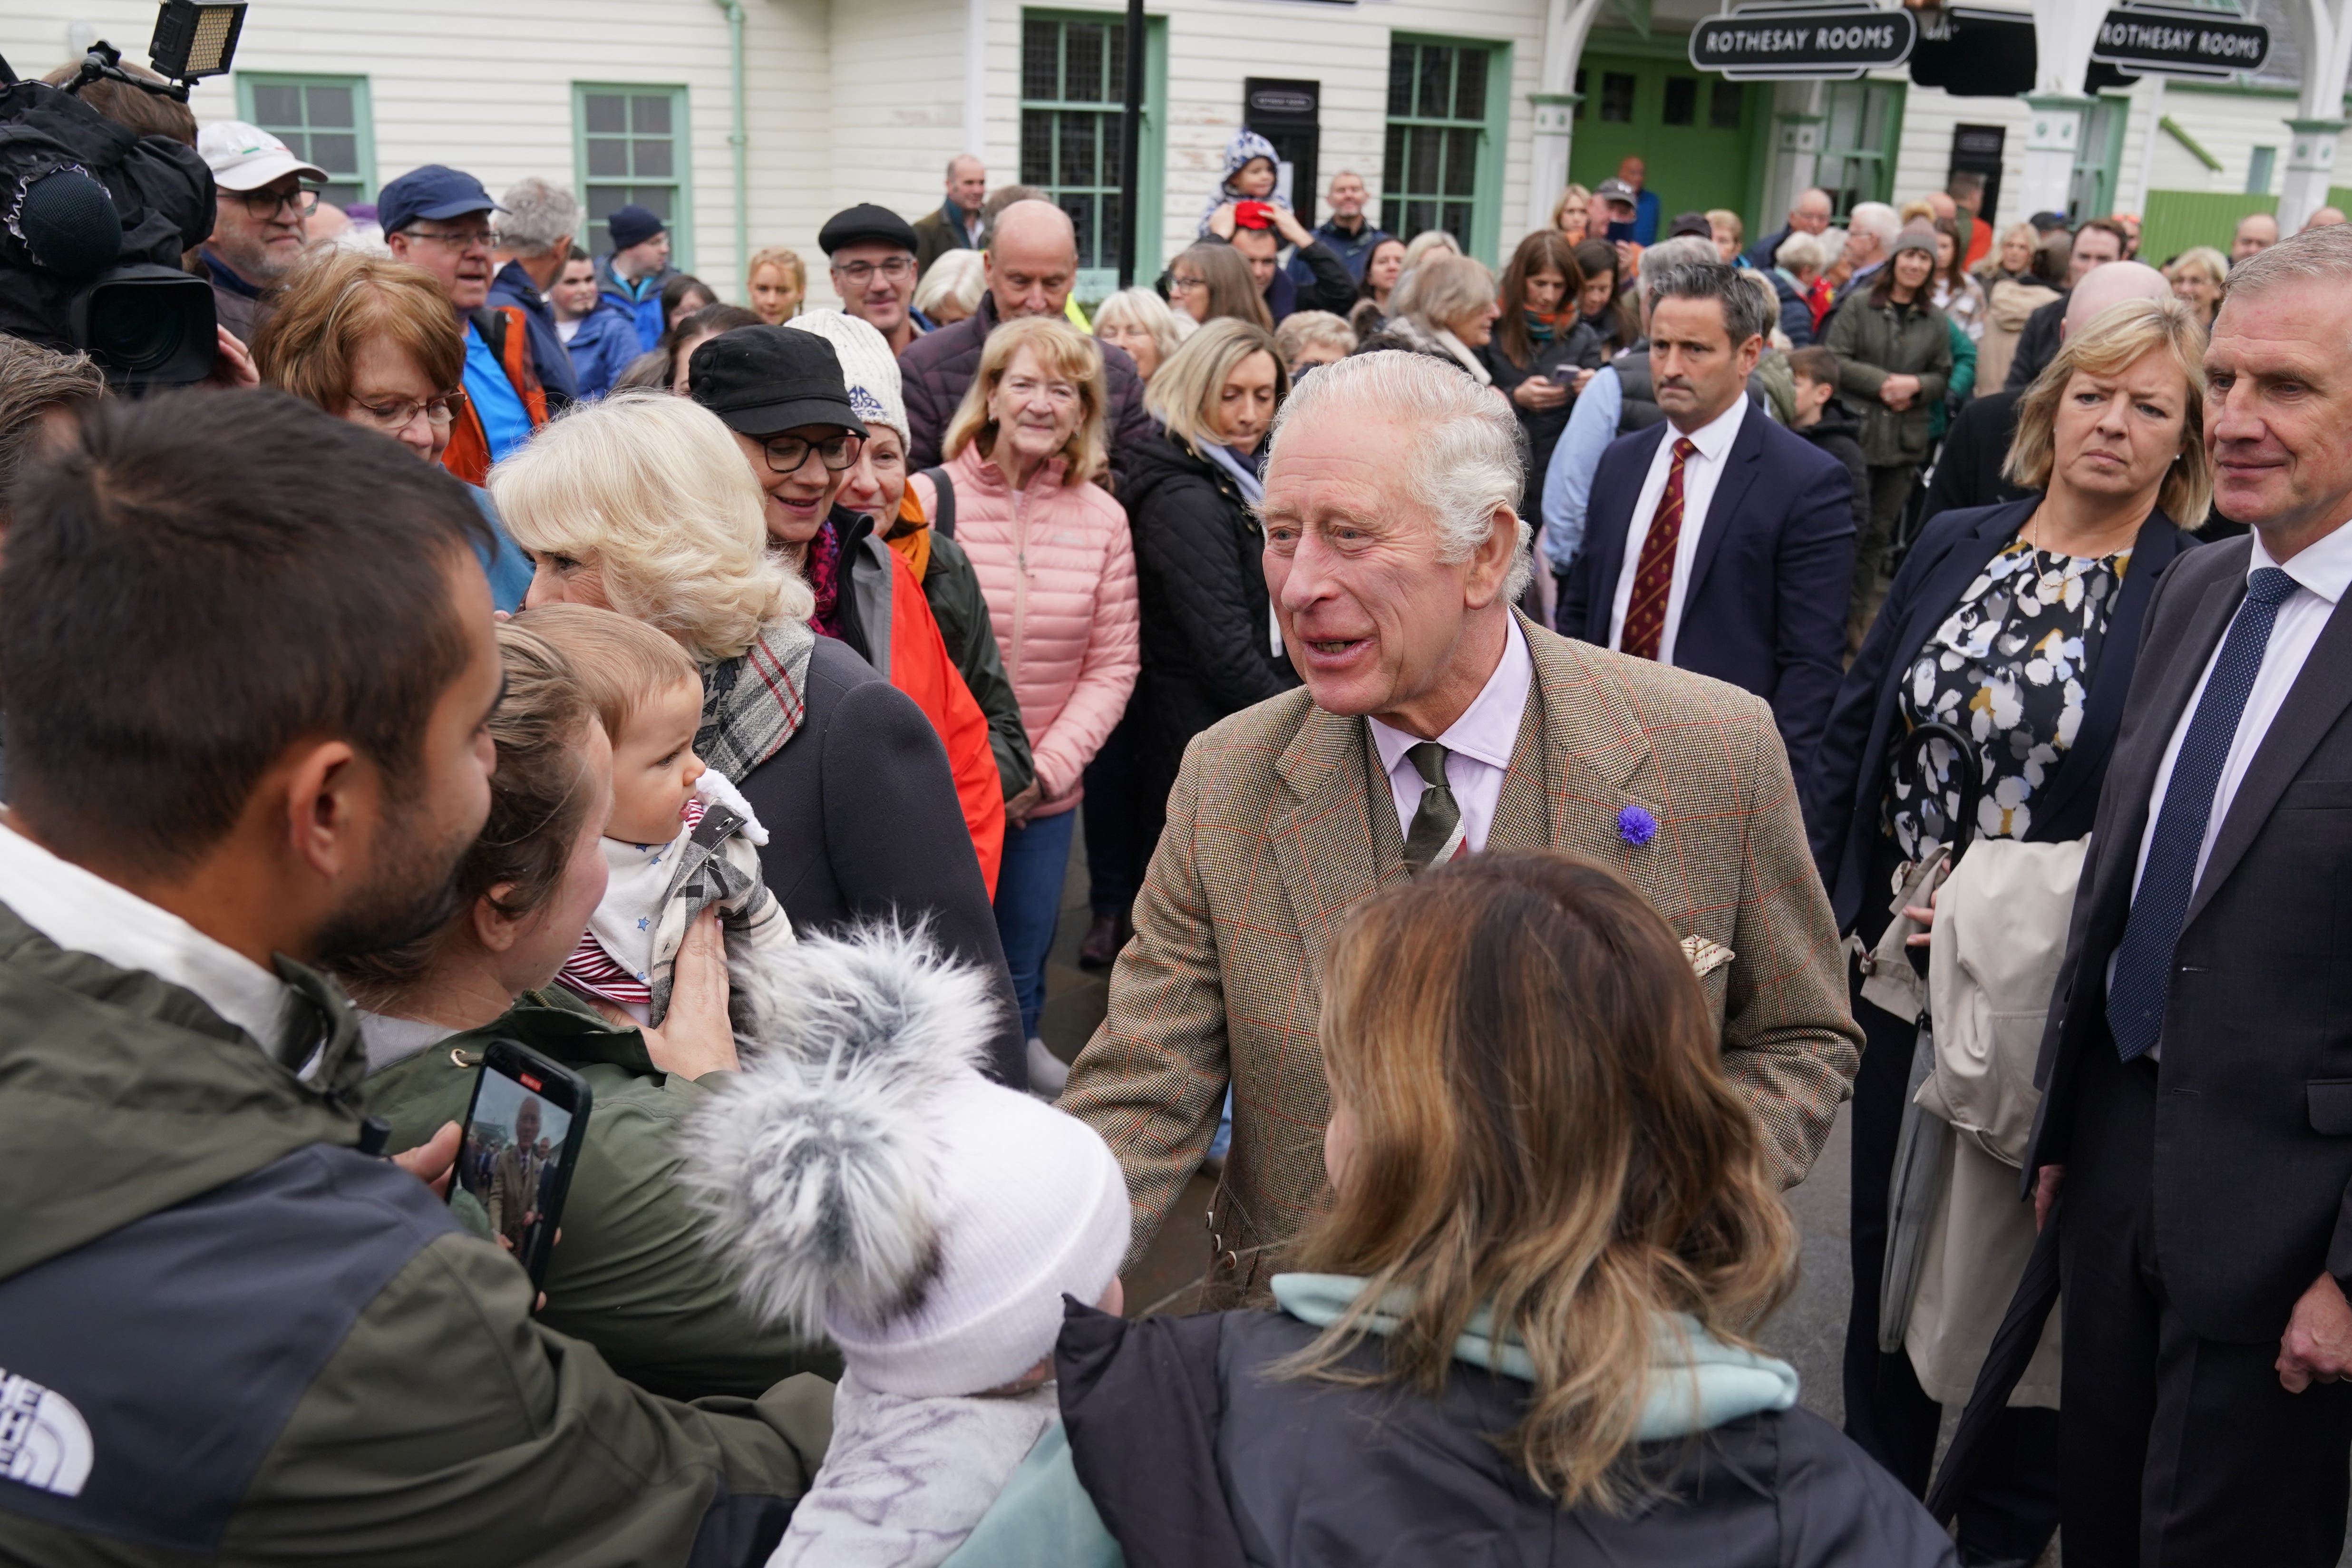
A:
[1710,538]
[2198,1067]
[1968,470]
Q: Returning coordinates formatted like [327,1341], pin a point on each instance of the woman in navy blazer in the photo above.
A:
[2018,624]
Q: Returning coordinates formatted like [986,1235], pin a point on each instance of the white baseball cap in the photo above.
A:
[245,157]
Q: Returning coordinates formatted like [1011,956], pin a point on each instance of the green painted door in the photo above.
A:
[1694,130]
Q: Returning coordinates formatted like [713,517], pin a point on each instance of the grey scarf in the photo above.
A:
[754,704]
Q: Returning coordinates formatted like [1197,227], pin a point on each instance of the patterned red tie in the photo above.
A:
[1654,578]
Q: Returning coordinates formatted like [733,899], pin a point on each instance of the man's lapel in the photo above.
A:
[2313,703]
[1581,747]
[1741,467]
[1325,836]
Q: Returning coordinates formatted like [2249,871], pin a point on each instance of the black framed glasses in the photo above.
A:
[898,270]
[266,205]
[786,454]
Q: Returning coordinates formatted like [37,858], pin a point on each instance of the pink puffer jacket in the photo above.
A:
[1057,567]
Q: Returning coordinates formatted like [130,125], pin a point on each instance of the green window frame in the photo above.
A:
[1073,106]
[632,147]
[1861,123]
[1448,110]
[322,119]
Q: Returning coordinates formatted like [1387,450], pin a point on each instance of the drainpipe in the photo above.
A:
[738,140]
[975,79]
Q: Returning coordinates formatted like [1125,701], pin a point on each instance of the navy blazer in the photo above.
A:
[1765,607]
[1845,789]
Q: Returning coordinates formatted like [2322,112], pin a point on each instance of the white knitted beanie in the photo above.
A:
[867,365]
[860,1177]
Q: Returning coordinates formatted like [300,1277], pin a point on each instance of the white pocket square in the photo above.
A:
[1705,957]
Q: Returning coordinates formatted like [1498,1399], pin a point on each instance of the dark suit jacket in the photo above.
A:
[2253,1105]
[863,823]
[1845,788]
[2037,345]
[1968,470]
[1763,609]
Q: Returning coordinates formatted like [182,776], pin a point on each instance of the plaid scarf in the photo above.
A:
[754,704]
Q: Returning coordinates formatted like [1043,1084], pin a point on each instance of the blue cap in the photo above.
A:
[432,192]
[632,226]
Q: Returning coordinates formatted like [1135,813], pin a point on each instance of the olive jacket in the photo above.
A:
[232,1337]
[1874,341]
[631,1275]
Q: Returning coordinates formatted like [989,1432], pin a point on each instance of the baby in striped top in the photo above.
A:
[679,839]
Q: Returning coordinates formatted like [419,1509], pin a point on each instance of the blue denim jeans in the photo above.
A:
[1028,901]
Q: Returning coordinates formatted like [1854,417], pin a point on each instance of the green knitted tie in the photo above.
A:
[1437,821]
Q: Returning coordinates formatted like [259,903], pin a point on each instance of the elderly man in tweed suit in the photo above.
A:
[1434,721]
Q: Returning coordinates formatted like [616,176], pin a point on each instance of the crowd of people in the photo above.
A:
[1545,741]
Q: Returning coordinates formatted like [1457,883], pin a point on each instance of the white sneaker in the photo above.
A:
[1047,1075]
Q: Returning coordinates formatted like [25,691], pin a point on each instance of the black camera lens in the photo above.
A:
[137,330]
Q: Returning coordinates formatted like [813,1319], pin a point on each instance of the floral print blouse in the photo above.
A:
[2010,669]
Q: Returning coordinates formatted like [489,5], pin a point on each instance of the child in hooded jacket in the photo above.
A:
[1252,171]
[865,1180]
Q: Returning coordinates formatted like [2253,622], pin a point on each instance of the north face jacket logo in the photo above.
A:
[44,1441]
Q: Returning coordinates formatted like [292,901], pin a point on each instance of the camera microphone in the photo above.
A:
[70,225]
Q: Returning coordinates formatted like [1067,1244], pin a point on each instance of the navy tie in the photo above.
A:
[2144,959]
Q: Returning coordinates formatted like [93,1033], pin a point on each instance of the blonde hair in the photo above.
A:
[1303,330]
[960,276]
[653,492]
[1572,193]
[1180,394]
[1724,217]
[2110,342]
[1442,290]
[621,664]
[1543,1129]
[1061,350]
[1427,240]
[1144,310]
[2204,258]
[787,261]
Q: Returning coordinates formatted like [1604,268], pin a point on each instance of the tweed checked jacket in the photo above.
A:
[1278,827]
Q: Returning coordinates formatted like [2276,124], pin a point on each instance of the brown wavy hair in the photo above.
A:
[336,300]
[1541,1125]
[1546,249]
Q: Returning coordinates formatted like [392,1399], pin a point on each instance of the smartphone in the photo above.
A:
[524,1131]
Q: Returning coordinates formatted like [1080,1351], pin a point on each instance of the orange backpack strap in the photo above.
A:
[514,356]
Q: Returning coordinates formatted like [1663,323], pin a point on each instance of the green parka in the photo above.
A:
[228,1336]
[631,1275]
[1874,341]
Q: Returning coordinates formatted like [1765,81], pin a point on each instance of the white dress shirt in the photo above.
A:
[1477,746]
[2322,573]
[84,912]
[1701,471]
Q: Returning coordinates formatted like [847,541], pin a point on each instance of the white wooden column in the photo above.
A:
[1566,25]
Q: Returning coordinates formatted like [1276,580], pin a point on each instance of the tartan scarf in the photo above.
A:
[754,702]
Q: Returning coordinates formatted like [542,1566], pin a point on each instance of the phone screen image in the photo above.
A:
[522,1135]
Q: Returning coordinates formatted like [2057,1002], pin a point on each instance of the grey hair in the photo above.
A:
[2321,255]
[1442,290]
[1744,312]
[1680,251]
[1875,218]
[1464,461]
[541,216]
[1802,249]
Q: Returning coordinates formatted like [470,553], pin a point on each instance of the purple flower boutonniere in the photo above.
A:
[1636,827]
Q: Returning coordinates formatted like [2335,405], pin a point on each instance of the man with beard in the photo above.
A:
[260,223]
[250,670]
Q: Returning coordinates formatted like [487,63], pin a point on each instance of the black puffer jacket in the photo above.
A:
[1579,348]
[1199,569]
[1195,1456]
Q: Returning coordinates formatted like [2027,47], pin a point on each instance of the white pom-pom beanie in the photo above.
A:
[1028,1205]
[876,391]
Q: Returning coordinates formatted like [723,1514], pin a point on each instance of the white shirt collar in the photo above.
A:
[2324,566]
[82,911]
[1488,729]
[1715,437]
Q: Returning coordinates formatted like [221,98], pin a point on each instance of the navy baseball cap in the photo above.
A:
[432,192]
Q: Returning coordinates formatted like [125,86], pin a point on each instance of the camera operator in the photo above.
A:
[259,221]
[141,112]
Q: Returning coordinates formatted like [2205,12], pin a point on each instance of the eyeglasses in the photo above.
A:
[1180,284]
[898,270]
[398,413]
[266,204]
[456,239]
[787,453]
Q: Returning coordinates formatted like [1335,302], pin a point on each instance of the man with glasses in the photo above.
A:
[873,254]
[258,223]
[439,220]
